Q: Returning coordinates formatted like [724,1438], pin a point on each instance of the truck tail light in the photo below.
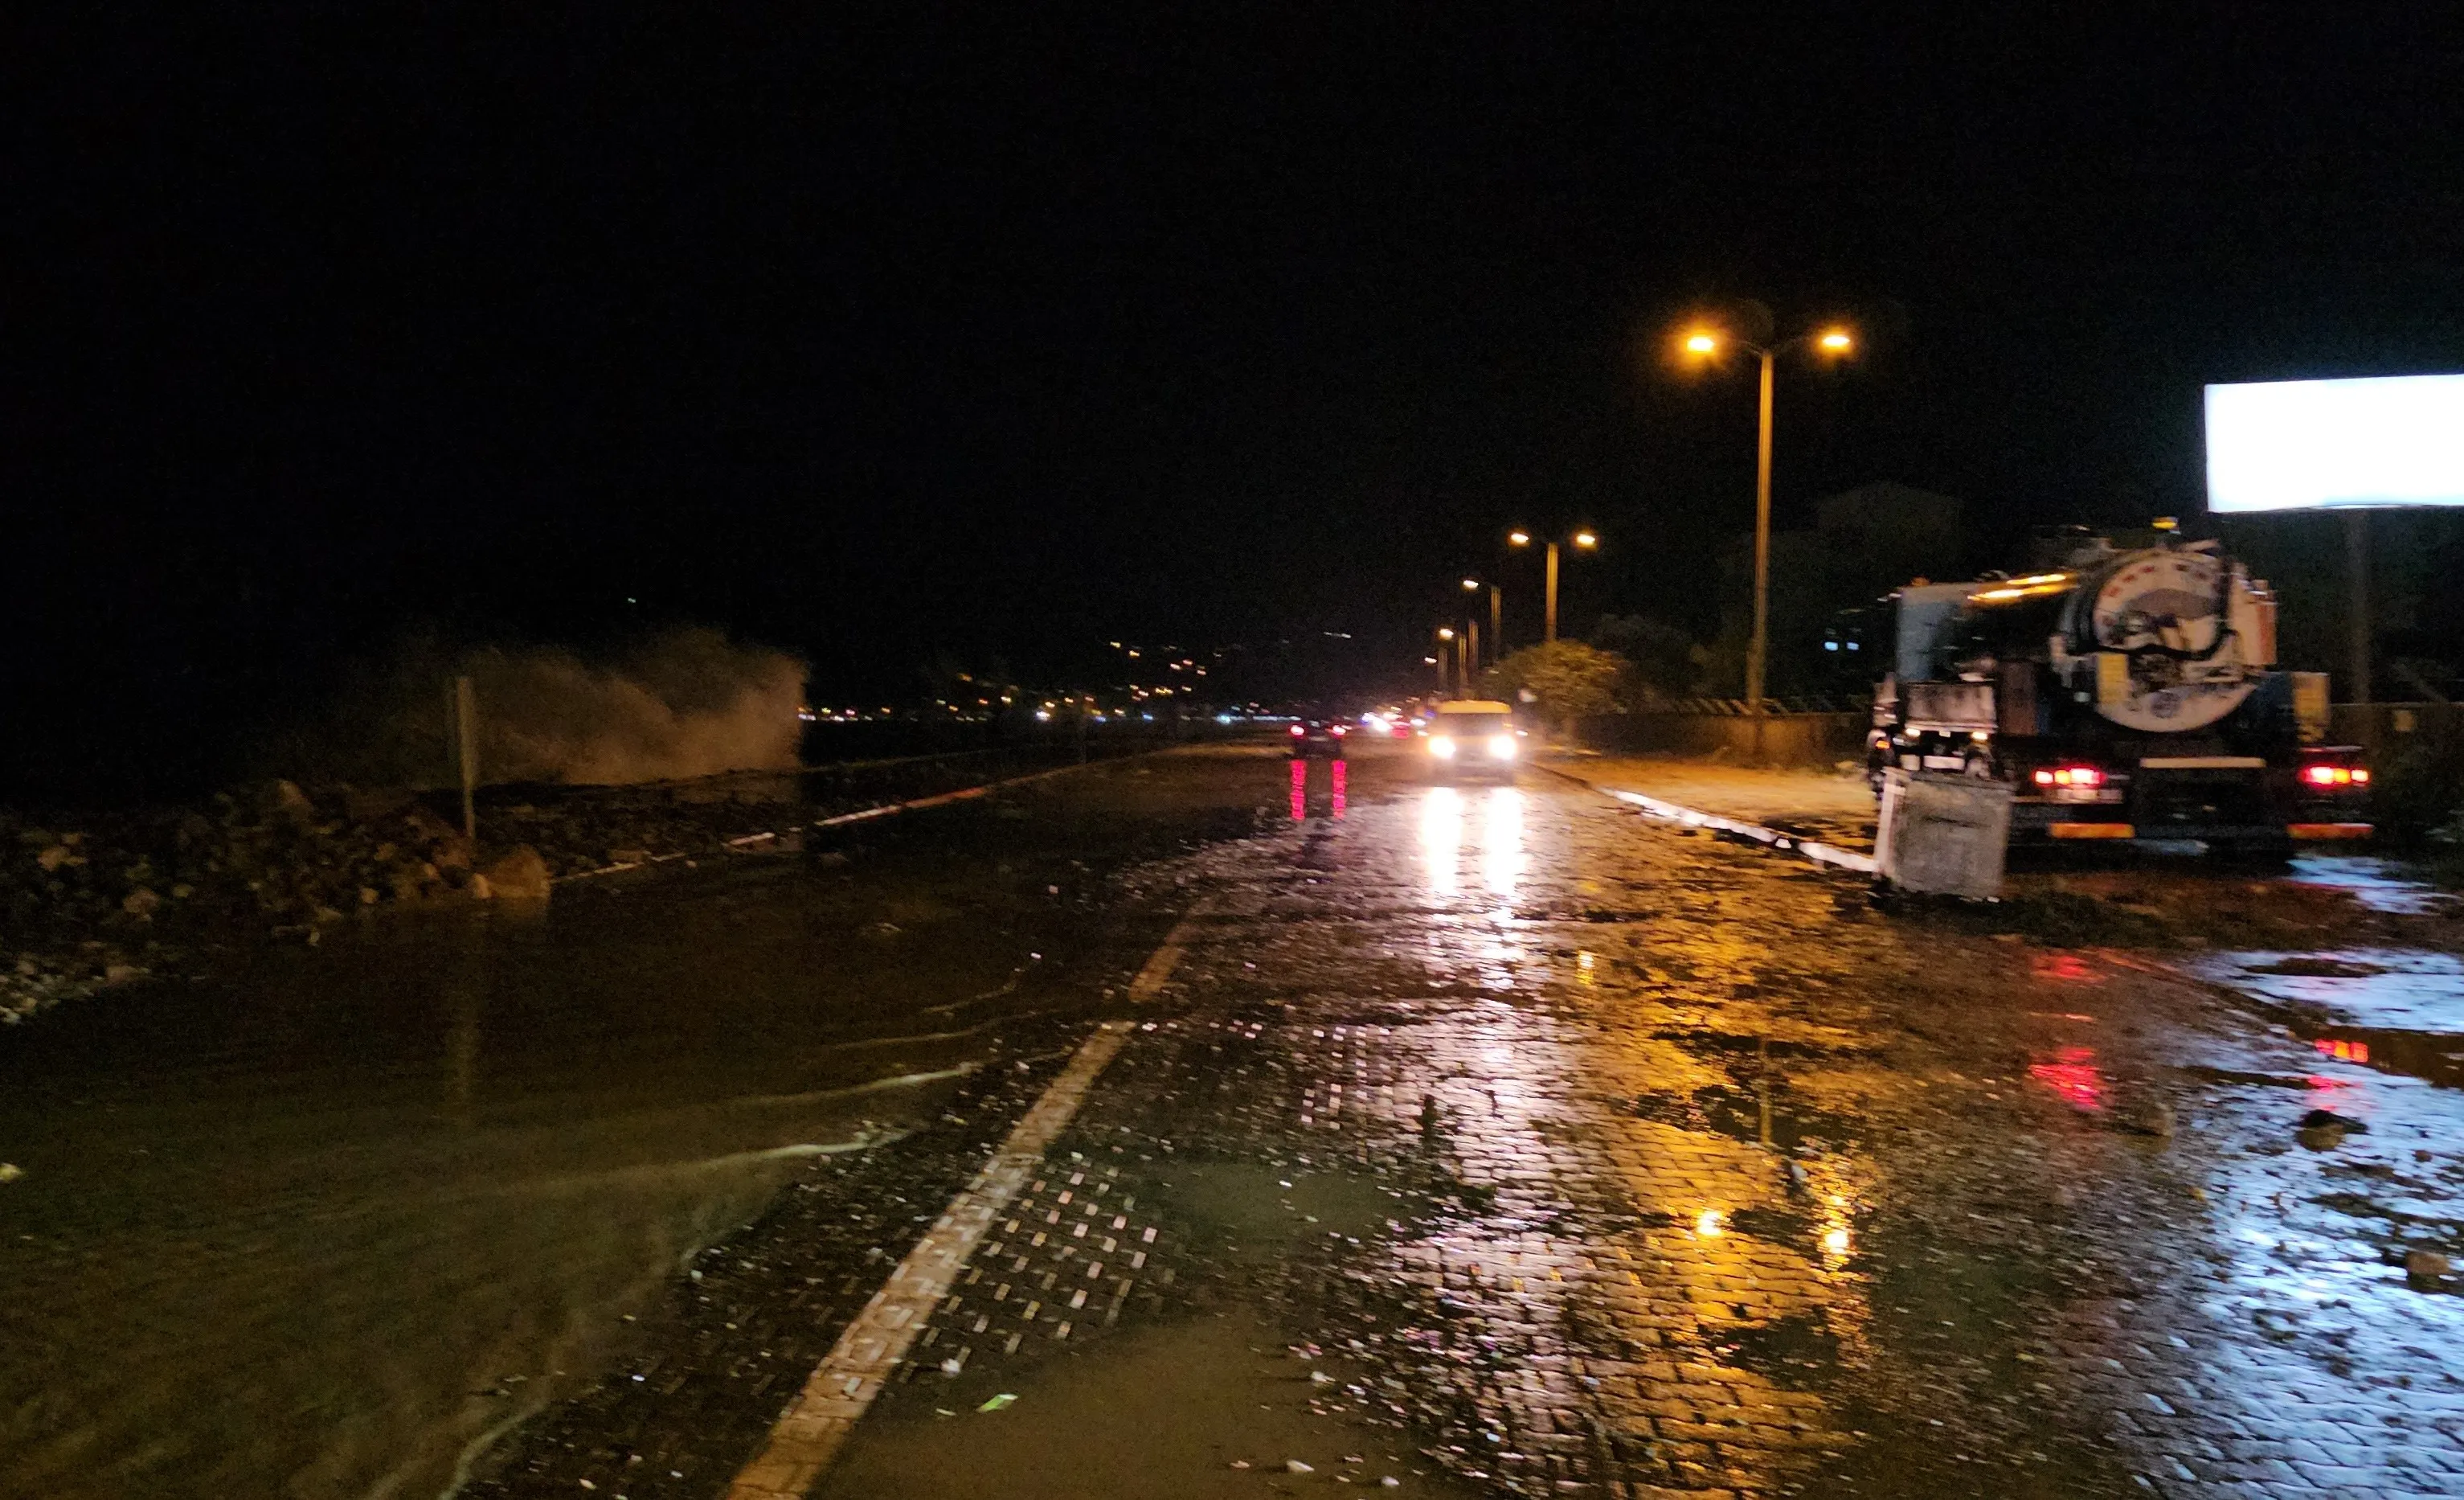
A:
[2335,775]
[2071,776]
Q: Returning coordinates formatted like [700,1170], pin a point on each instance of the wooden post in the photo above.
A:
[466,737]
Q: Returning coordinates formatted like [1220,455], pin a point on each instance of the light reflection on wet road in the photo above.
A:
[1729,1186]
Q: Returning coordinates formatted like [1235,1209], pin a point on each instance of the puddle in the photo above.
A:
[2379,884]
[1258,1211]
[1160,1411]
[2394,1009]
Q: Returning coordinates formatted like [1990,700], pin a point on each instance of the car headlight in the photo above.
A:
[1443,748]
[1502,746]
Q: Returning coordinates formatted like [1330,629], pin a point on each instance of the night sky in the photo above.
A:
[881,332]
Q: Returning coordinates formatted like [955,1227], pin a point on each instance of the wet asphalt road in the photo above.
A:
[1486,1141]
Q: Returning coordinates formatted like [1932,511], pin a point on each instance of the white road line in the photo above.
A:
[1157,971]
[885,810]
[843,1386]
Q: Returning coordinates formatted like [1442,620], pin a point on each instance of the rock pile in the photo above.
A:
[102,898]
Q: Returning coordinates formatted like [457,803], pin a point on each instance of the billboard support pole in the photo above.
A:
[2357,572]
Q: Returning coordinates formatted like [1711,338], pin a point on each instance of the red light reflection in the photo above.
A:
[1300,790]
[2072,1073]
[2343,1051]
[1338,769]
[2067,967]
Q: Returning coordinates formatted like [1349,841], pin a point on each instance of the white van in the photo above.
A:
[1473,737]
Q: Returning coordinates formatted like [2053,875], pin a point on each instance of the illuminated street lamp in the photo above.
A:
[1704,342]
[1496,640]
[1581,540]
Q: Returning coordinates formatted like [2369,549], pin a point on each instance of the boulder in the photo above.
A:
[522,875]
[285,801]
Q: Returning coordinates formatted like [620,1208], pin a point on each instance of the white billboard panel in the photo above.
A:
[2302,444]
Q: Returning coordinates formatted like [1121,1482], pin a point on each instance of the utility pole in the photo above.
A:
[1474,646]
[1496,625]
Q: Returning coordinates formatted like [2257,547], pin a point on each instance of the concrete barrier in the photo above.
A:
[1773,739]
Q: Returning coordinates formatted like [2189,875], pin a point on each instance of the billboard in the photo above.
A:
[2306,444]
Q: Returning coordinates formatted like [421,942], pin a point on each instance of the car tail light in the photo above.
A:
[1298,731]
[1341,730]
[2335,775]
[2071,776]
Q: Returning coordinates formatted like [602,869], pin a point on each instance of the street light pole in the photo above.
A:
[1705,342]
[1522,538]
[1471,585]
[1552,634]
[1761,643]
[1496,625]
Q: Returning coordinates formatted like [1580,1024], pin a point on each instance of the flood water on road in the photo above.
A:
[2394,1010]
[330,1222]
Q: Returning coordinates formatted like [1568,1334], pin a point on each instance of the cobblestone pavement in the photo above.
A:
[1496,1140]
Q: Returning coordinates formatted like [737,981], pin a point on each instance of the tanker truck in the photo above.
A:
[2123,694]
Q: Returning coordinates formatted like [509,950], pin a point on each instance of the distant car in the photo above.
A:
[1473,738]
[1318,736]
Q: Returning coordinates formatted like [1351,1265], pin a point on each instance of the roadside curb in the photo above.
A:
[1825,854]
